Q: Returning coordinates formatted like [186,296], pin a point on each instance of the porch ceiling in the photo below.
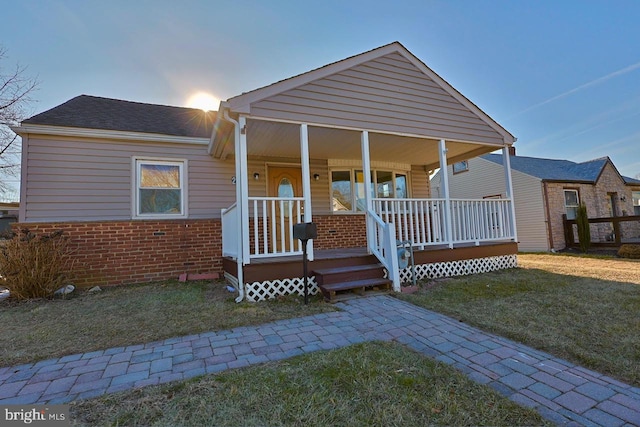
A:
[282,140]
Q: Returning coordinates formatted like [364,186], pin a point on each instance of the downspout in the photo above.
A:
[236,130]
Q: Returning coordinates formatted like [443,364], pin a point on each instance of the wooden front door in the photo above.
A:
[285,182]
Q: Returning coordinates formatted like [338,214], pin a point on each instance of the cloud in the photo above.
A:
[595,82]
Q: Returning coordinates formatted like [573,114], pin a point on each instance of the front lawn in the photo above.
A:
[581,309]
[129,315]
[382,384]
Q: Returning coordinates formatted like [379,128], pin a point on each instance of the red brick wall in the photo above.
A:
[120,252]
[340,231]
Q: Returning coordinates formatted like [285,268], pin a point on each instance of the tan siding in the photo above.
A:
[386,94]
[485,178]
[73,179]
[420,188]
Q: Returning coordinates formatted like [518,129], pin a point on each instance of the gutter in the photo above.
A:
[236,129]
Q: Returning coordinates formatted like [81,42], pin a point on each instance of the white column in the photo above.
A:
[306,181]
[243,182]
[509,189]
[366,170]
[444,184]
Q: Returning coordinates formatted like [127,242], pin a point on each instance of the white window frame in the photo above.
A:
[374,171]
[136,163]
[459,167]
[635,197]
[564,196]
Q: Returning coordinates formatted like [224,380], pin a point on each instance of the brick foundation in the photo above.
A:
[340,231]
[120,252]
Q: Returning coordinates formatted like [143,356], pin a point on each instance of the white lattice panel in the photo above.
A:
[460,267]
[260,291]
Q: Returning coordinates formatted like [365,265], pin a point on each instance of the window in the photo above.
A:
[462,166]
[159,189]
[636,202]
[347,188]
[571,203]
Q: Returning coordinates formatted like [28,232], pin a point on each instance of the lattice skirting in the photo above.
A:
[269,289]
[260,291]
[460,268]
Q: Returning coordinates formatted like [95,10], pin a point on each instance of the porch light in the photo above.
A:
[316,176]
[623,198]
[256,176]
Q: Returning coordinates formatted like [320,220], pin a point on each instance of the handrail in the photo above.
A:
[424,221]
[229,223]
[381,241]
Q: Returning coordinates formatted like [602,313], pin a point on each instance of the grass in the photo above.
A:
[581,309]
[372,384]
[127,315]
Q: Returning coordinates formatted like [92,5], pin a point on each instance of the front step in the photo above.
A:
[340,283]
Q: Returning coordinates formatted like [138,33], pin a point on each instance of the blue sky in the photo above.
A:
[562,76]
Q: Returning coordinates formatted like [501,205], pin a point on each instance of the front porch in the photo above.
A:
[350,147]
[270,277]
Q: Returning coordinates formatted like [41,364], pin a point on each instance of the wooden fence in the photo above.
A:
[618,235]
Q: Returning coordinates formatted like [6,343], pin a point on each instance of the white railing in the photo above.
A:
[424,221]
[381,240]
[230,231]
[271,221]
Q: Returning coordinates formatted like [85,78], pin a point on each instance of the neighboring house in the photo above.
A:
[150,191]
[545,190]
[8,215]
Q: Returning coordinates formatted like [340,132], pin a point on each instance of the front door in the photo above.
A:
[285,182]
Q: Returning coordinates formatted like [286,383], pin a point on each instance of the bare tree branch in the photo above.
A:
[16,88]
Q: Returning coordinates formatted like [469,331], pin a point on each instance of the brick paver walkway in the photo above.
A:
[561,391]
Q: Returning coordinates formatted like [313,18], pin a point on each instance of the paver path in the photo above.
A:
[561,391]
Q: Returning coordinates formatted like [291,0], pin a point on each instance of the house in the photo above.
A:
[547,189]
[147,192]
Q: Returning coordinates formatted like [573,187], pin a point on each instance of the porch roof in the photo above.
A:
[387,91]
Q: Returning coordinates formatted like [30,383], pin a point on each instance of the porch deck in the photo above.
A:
[430,263]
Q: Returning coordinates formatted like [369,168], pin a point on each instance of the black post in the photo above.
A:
[305,232]
[305,270]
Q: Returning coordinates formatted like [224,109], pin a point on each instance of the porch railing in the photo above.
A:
[271,221]
[424,221]
[230,231]
[381,240]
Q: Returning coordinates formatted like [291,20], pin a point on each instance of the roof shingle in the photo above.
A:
[556,169]
[95,112]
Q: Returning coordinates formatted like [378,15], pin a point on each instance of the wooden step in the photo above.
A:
[327,276]
[338,291]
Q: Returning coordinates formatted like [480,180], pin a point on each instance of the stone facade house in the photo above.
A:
[547,189]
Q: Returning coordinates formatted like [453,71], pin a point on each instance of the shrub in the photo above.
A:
[629,251]
[35,266]
[584,231]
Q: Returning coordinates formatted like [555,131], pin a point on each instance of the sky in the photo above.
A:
[563,76]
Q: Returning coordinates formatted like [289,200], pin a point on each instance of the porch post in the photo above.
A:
[242,182]
[444,183]
[366,170]
[306,181]
[509,190]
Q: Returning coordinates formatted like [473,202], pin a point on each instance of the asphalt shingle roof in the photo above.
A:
[557,170]
[94,112]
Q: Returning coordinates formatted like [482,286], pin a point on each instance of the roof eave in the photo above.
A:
[34,129]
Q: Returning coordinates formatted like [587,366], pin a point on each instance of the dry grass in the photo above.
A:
[579,308]
[369,384]
[602,268]
[42,329]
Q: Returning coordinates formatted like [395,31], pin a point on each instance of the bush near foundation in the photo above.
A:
[35,266]
[629,251]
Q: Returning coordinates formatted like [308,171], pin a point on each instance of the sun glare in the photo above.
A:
[204,101]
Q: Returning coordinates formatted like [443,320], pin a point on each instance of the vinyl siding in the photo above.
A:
[386,94]
[74,179]
[485,178]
